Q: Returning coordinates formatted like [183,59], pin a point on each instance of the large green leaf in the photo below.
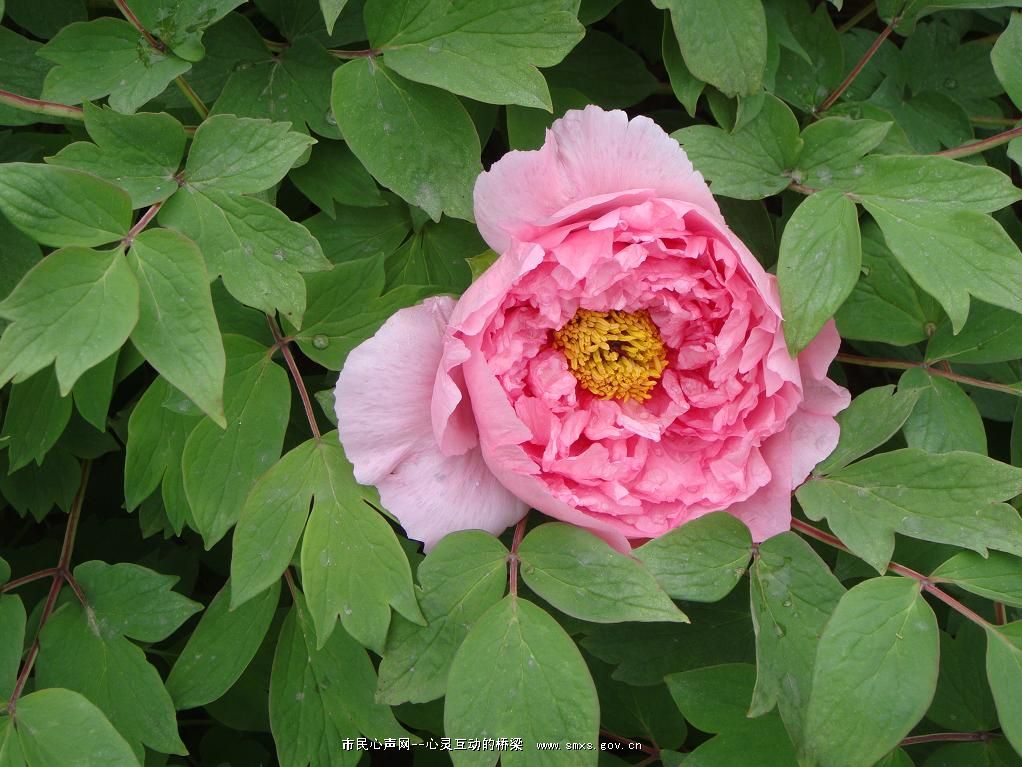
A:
[875,673]
[519,672]
[177,330]
[242,155]
[997,576]
[952,254]
[352,563]
[487,50]
[35,418]
[874,417]
[1007,59]
[62,727]
[991,334]
[180,23]
[220,648]
[74,308]
[464,575]
[220,465]
[333,174]
[963,700]
[818,265]
[79,653]
[1004,669]
[140,153]
[702,560]
[107,57]
[12,642]
[752,162]
[723,44]
[60,206]
[415,139]
[944,417]
[947,498]
[793,595]
[834,146]
[318,697]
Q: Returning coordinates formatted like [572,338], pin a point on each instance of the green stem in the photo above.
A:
[368,53]
[513,559]
[857,18]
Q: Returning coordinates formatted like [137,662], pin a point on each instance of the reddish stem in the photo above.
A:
[62,569]
[854,20]
[982,145]
[132,19]
[927,584]
[35,106]
[937,737]
[1000,614]
[869,362]
[368,53]
[49,572]
[142,223]
[513,559]
[282,343]
[857,69]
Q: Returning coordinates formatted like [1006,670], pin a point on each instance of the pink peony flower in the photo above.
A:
[620,367]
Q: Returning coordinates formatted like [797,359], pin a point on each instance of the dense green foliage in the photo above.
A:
[189,573]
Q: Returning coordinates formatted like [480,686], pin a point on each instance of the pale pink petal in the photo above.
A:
[768,511]
[587,153]
[815,359]
[432,495]
[382,397]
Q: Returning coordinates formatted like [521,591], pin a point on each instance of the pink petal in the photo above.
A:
[432,495]
[768,511]
[383,400]
[587,153]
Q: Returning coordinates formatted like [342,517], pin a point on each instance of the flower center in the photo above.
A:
[613,354]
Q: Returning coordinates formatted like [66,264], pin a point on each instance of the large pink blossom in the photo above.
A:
[466,413]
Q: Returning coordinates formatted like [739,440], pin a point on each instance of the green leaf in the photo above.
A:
[352,564]
[93,392]
[645,653]
[37,489]
[132,600]
[21,72]
[139,153]
[63,727]
[834,146]
[946,497]
[290,86]
[220,648]
[156,438]
[44,21]
[5,571]
[606,71]
[646,713]
[991,753]
[180,23]
[875,673]
[991,334]
[963,700]
[242,155]
[355,233]
[716,699]
[74,308]
[752,162]
[938,183]
[581,575]
[793,595]
[462,577]
[996,576]
[12,642]
[258,250]
[810,59]
[702,560]
[874,417]
[944,417]
[334,174]
[686,86]
[1004,670]
[107,57]
[220,466]
[331,10]
[59,206]
[724,45]
[177,330]
[416,140]
[519,672]
[952,255]
[346,307]
[819,262]
[79,653]
[436,256]
[1006,57]
[318,697]
[35,418]
[487,50]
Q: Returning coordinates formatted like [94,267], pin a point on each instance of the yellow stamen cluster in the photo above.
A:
[614,355]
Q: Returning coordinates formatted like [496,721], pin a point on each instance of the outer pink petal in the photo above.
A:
[587,153]
[432,495]
[383,399]
[768,511]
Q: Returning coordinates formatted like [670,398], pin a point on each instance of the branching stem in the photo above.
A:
[283,344]
[857,69]
[35,106]
[979,383]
